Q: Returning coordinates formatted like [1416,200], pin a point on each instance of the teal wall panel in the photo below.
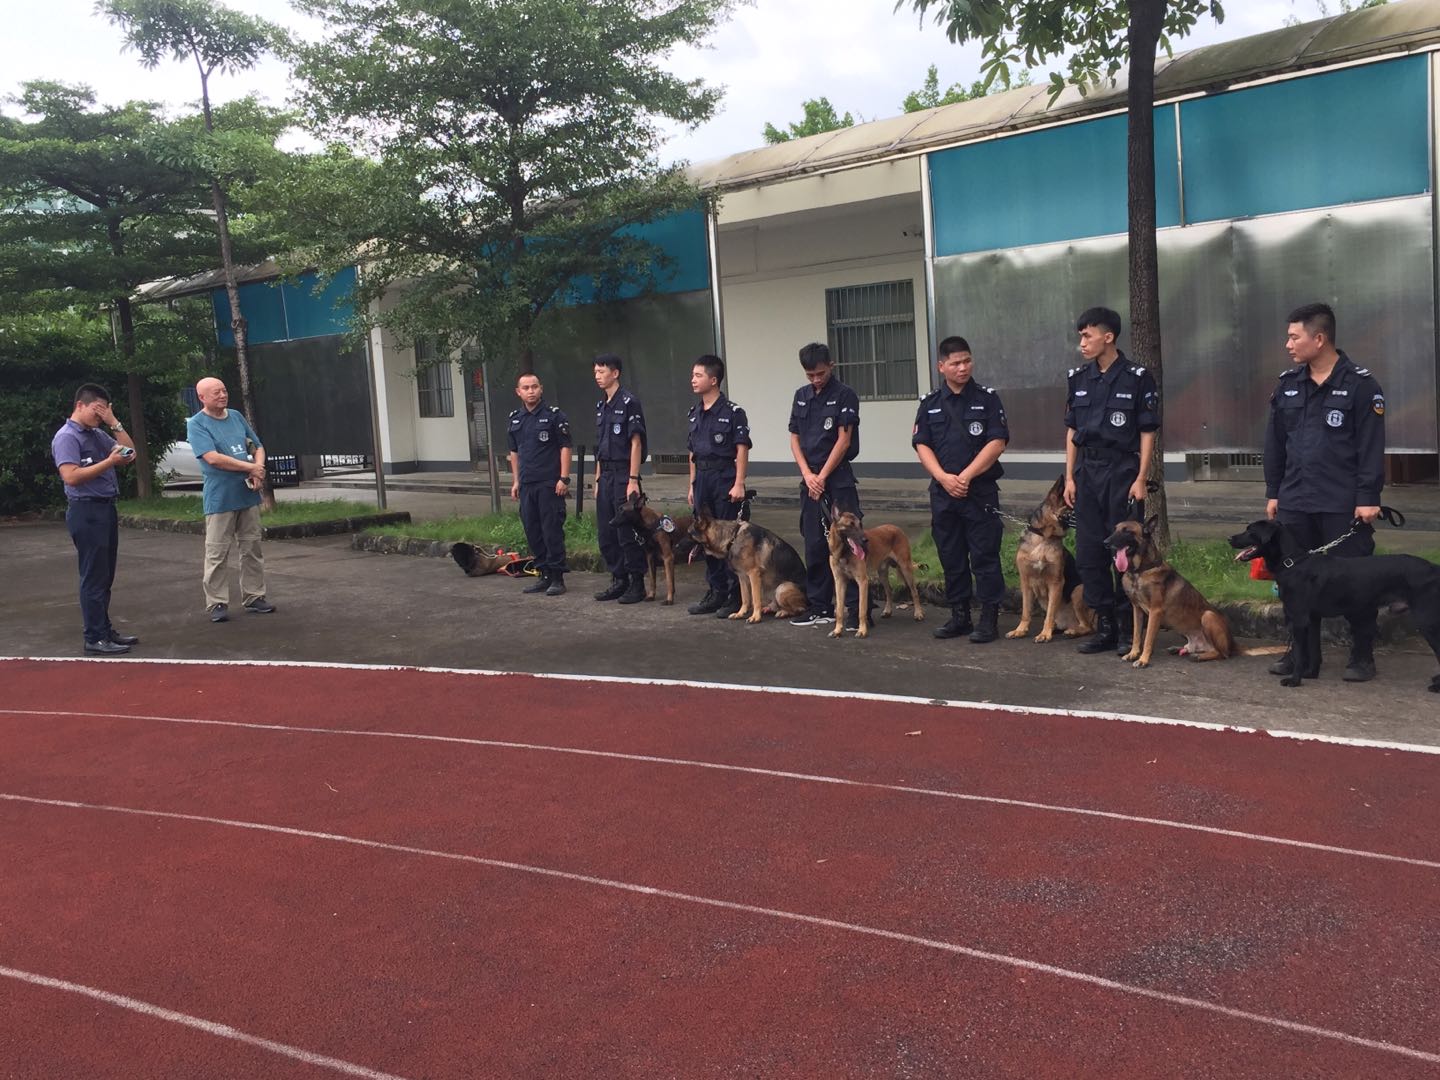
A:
[1324,140]
[1060,183]
[682,237]
[287,311]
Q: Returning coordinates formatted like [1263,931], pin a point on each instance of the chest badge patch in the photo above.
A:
[1117,418]
[1335,418]
[829,422]
[719,437]
[616,429]
[544,436]
[976,427]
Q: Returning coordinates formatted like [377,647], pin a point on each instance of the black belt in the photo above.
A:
[94,498]
[1107,454]
[713,464]
[615,463]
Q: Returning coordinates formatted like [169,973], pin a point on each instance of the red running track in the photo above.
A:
[670,881]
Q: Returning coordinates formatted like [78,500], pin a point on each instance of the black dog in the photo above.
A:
[1315,586]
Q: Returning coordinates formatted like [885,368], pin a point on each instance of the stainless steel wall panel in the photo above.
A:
[1226,289]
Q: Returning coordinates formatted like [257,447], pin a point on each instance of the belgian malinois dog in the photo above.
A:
[662,534]
[1159,596]
[1048,576]
[763,563]
[856,554]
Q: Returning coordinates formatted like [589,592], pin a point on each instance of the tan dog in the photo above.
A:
[1047,573]
[853,560]
[660,541]
[762,561]
[1159,596]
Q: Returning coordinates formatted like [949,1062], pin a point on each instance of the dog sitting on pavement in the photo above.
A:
[764,564]
[1048,576]
[856,554]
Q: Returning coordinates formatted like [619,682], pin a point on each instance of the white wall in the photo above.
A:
[442,438]
[773,279]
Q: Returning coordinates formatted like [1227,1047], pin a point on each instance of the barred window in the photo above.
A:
[432,381]
[872,339]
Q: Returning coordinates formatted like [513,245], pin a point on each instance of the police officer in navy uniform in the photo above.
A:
[620,448]
[1325,457]
[824,439]
[960,433]
[719,442]
[539,437]
[1112,411]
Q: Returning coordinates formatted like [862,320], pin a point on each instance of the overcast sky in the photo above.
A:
[771,56]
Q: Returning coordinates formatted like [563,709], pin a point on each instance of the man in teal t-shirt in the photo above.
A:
[232,464]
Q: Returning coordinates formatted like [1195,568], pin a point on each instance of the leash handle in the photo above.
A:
[1392,517]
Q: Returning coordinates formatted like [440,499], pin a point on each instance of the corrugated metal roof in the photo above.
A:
[1370,32]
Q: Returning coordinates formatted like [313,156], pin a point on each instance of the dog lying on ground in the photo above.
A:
[476,561]
[1316,586]
[1048,576]
[764,564]
[663,537]
[1160,597]
[856,554]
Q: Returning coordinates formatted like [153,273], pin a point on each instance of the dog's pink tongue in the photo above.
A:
[857,550]
[1122,561]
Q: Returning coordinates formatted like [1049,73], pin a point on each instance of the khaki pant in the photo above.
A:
[233,527]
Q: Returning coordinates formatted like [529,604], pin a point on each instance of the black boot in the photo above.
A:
[540,584]
[1105,637]
[989,629]
[615,590]
[708,605]
[635,590]
[729,603]
[958,626]
[1124,632]
[556,586]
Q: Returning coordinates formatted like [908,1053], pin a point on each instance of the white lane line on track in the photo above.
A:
[816,778]
[791,916]
[787,691]
[224,1031]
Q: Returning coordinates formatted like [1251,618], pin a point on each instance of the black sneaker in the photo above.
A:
[811,618]
[220,613]
[260,606]
[708,605]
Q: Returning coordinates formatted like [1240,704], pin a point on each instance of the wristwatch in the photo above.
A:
[565,480]
[117,426]
[634,478]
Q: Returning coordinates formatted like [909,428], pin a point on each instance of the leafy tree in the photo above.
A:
[820,116]
[1106,36]
[216,39]
[512,141]
[930,97]
[90,209]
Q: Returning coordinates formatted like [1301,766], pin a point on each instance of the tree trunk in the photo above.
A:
[135,400]
[1146,21]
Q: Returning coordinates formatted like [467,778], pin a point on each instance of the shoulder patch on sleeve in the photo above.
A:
[514,413]
[987,389]
[1362,371]
[554,408]
[1072,372]
[1137,370]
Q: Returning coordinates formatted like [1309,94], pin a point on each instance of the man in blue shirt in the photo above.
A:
[232,466]
[719,443]
[87,458]
[620,448]
[539,437]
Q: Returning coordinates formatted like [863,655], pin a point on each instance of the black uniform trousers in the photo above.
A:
[712,493]
[94,526]
[542,512]
[1312,530]
[1103,479]
[819,583]
[967,535]
[620,545]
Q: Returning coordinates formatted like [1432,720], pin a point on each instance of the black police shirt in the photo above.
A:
[537,437]
[1108,411]
[616,422]
[818,416]
[957,427]
[1325,445]
[716,432]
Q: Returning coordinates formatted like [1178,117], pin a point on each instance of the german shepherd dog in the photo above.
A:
[1316,586]
[1160,595]
[764,564]
[856,554]
[662,535]
[1048,576]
